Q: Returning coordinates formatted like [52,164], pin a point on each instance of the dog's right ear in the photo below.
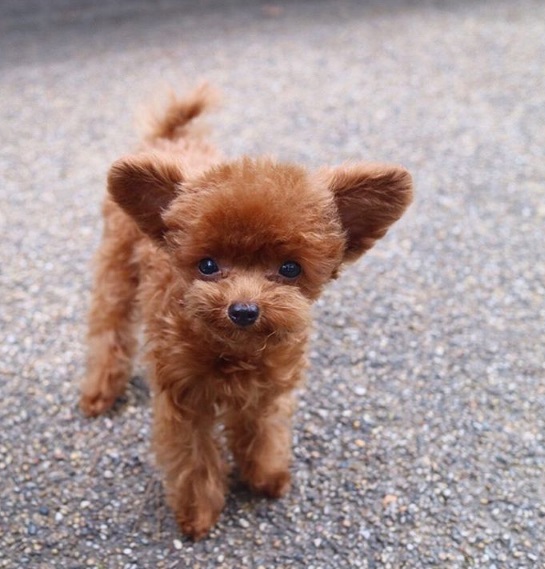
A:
[144,186]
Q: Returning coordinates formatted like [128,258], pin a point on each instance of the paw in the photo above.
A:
[94,404]
[196,525]
[274,485]
[100,391]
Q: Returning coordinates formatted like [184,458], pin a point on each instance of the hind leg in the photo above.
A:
[111,336]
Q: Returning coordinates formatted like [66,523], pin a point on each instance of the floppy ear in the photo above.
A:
[144,186]
[369,198]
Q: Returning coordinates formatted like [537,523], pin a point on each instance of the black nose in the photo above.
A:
[243,314]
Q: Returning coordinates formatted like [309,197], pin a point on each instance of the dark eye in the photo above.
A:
[290,269]
[208,266]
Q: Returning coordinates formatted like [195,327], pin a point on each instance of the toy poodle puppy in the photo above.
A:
[221,261]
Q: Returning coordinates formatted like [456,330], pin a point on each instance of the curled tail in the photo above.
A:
[179,111]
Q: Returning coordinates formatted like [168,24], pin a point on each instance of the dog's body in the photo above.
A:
[221,261]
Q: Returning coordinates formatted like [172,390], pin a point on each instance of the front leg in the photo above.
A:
[195,479]
[260,440]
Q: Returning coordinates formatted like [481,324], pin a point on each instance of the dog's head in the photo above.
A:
[254,241]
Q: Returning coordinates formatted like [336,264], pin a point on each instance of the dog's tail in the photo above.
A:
[171,123]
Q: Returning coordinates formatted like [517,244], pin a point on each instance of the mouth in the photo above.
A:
[247,324]
[243,337]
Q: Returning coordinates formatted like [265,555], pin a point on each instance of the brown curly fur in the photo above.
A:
[169,206]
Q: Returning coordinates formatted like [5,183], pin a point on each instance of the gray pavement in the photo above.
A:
[419,439]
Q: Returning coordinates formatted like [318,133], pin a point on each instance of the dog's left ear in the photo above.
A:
[369,198]
[144,186]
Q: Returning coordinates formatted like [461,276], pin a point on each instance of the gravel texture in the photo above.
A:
[419,439]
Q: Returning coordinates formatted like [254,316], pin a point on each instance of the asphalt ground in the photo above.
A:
[419,439]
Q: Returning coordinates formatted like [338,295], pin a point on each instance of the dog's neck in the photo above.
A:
[229,364]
